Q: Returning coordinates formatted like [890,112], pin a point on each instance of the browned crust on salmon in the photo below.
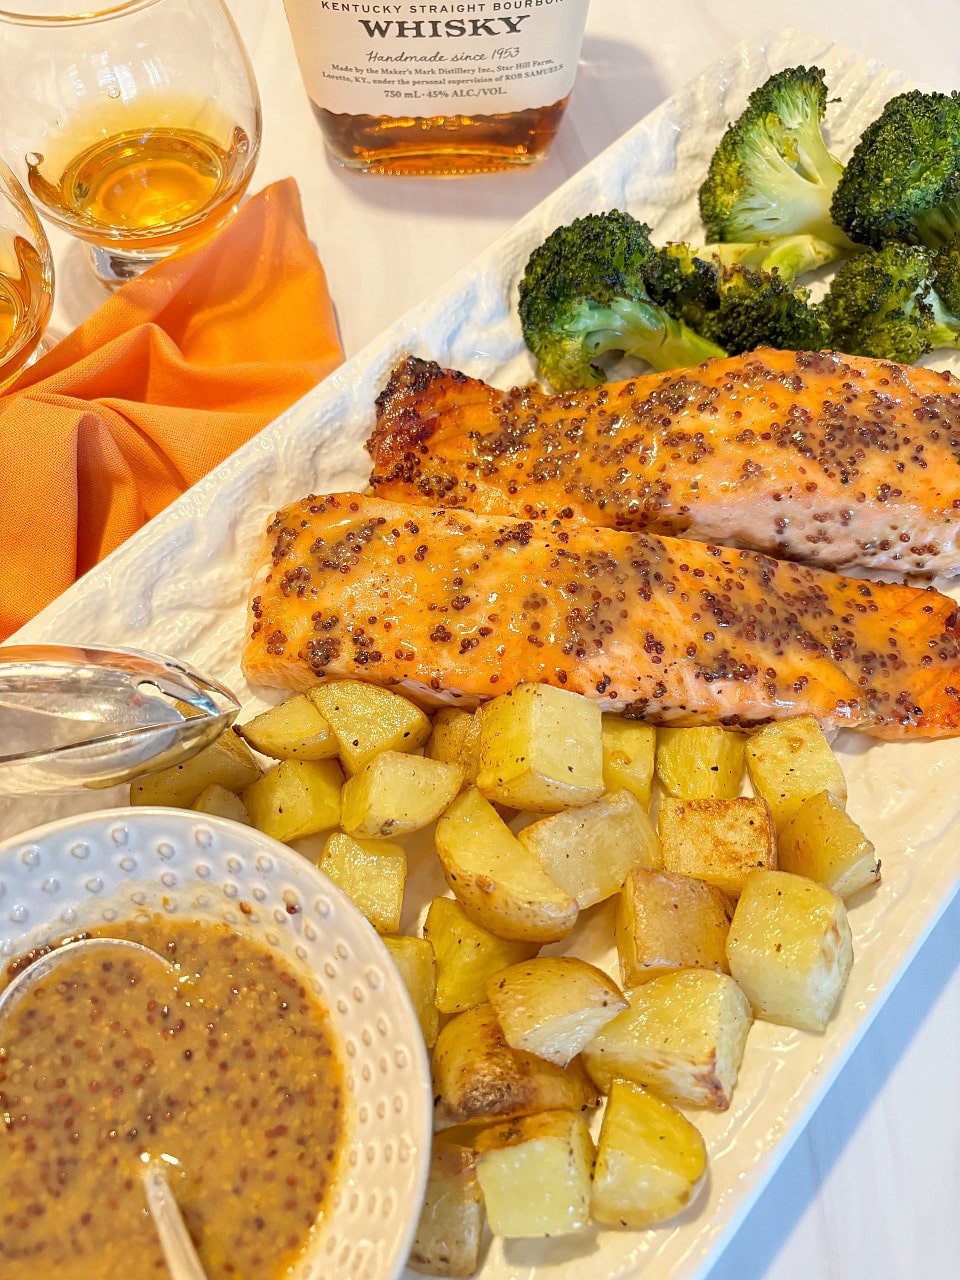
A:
[827,459]
[458,605]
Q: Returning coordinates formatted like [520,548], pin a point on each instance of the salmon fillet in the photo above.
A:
[451,605]
[826,459]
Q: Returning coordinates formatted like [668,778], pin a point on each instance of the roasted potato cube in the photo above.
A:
[396,793]
[540,749]
[588,850]
[368,719]
[720,841]
[415,959]
[682,1037]
[222,803]
[554,1005]
[372,873]
[467,955]
[478,1078]
[651,1160]
[823,842]
[535,1175]
[293,729]
[497,882]
[790,949]
[295,798]
[447,1240]
[700,763]
[789,761]
[629,748]
[668,921]
[455,737]
[228,761]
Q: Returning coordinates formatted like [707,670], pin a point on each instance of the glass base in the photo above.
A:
[114,269]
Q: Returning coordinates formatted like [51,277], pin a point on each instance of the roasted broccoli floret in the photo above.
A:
[756,309]
[895,303]
[771,174]
[902,182]
[735,307]
[682,281]
[584,294]
[946,264]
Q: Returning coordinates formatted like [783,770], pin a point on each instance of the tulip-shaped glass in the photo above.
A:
[135,124]
[26,278]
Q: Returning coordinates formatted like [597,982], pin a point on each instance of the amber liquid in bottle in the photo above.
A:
[438,89]
[450,144]
[144,185]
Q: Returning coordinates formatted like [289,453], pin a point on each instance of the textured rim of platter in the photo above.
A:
[179,587]
[120,864]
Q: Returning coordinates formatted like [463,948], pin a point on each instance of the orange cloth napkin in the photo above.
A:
[166,379]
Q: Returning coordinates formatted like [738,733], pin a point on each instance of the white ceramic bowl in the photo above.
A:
[118,863]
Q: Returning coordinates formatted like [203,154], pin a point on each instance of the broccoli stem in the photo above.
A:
[940,224]
[789,256]
[945,327]
[646,331]
[783,197]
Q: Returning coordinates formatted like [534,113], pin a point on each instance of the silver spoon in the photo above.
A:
[94,717]
[44,965]
[178,1251]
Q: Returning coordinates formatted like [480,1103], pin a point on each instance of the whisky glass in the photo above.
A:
[26,278]
[135,124]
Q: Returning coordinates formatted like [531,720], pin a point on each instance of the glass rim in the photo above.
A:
[71,12]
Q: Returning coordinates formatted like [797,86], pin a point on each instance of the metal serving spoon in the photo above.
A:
[36,970]
[94,717]
[178,1251]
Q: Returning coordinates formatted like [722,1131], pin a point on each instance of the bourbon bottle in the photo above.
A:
[441,88]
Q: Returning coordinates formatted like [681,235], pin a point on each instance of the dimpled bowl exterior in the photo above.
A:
[120,863]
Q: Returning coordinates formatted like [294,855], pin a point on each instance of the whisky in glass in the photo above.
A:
[136,128]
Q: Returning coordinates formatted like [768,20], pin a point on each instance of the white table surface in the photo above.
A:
[871,1188]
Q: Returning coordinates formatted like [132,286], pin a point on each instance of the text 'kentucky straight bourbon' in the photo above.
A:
[453,88]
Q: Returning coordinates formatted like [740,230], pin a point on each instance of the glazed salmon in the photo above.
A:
[822,458]
[453,605]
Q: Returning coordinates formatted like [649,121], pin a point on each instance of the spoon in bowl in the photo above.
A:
[41,967]
[178,1250]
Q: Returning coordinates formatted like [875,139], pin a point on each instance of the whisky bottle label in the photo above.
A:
[405,59]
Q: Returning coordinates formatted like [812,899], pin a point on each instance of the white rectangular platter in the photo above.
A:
[179,587]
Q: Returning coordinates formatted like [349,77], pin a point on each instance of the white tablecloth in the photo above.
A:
[871,1188]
